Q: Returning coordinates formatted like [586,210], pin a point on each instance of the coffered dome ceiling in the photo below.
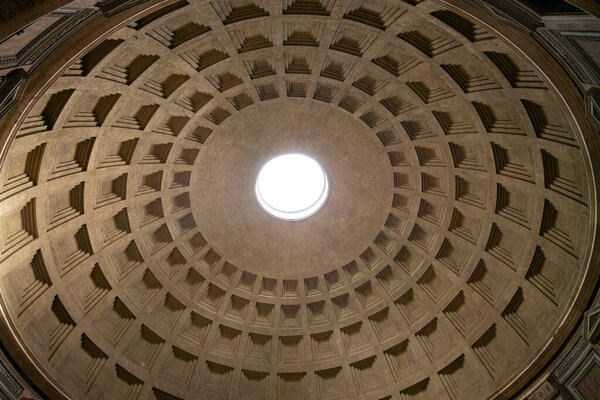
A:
[136,262]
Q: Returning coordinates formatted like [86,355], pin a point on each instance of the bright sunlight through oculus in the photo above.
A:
[292,187]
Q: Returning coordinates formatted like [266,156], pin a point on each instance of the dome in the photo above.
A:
[450,260]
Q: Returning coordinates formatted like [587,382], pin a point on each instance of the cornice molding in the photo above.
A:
[66,25]
[570,56]
[12,86]
[114,7]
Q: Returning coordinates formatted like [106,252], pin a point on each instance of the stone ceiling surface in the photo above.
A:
[137,264]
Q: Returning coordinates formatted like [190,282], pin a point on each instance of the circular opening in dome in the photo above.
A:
[291,187]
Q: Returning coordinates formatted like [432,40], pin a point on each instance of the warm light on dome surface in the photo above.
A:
[292,187]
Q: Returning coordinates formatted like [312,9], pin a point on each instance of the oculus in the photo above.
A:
[292,187]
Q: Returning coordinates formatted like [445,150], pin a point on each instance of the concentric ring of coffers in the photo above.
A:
[116,290]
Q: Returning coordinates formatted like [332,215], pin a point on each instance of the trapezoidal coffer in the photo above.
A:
[446,261]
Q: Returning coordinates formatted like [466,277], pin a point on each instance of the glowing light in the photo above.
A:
[292,187]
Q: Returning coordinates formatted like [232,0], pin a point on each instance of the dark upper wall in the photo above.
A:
[15,14]
[545,7]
